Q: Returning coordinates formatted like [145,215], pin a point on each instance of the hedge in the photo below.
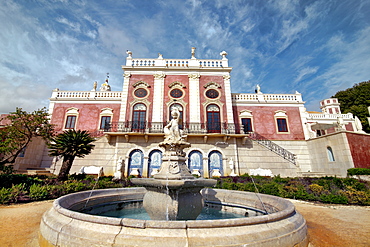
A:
[358,171]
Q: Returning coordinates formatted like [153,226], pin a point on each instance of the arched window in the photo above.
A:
[215,165]
[213,119]
[330,154]
[155,161]
[139,117]
[195,163]
[135,163]
[181,117]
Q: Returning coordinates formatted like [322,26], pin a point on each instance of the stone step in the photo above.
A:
[38,171]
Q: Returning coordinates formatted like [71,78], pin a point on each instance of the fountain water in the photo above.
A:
[173,199]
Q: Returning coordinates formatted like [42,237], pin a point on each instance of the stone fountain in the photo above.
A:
[173,199]
[173,193]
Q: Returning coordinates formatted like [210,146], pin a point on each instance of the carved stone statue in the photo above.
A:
[119,169]
[193,53]
[258,89]
[95,85]
[172,133]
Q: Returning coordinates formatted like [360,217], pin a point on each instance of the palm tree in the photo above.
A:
[70,144]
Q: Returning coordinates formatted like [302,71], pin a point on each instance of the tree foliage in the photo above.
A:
[356,100]
[20,131]
[70,144]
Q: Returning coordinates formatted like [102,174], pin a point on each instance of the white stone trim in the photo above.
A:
[158,97]
[229,107]
[123,110]
[194,98]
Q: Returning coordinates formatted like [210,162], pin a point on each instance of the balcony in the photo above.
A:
[187,128]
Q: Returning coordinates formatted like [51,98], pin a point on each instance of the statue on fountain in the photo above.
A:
[173,193]
[172,132]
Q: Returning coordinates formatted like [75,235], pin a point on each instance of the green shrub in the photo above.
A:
[17,190]
[332,198]
[358,171]
[5,195]
[271,189]
[8,180]
[39,192]
[74,186]
[316,189]
[356,197]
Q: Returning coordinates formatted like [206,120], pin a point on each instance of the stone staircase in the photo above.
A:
[273,147]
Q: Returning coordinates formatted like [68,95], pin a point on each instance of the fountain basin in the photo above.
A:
[63,225]
[176,199]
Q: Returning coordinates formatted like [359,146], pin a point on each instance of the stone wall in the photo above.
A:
[360,149]
[320,162]
[32,156]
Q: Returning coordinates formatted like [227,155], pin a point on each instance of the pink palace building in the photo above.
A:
[231,133]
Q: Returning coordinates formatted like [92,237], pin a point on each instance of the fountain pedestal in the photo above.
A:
[173,193]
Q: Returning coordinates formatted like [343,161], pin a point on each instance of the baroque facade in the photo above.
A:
[230,133]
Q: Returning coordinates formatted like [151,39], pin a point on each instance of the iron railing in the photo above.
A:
[273,147]
[187,128]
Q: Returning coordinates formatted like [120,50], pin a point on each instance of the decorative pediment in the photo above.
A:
[246,113]
[280,113]
[72,110]
[106,111]
[177,84]
[141,83]
[212,84]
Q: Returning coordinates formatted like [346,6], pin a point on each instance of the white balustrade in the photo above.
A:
[202,63]
[86,95]
[313,116]
[267,97]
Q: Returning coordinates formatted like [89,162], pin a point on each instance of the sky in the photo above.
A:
[315,47]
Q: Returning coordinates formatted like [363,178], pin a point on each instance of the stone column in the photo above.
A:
[194,98]
[126,82]
[158,97]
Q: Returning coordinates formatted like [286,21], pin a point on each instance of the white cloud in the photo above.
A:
[305,72]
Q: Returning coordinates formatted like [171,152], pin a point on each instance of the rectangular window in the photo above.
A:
[247,125]
[105,122]
[71,122]
[282,125]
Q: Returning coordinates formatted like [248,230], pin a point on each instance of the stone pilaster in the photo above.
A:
[194,98]
[126,82]
[158,97]
[229,107]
